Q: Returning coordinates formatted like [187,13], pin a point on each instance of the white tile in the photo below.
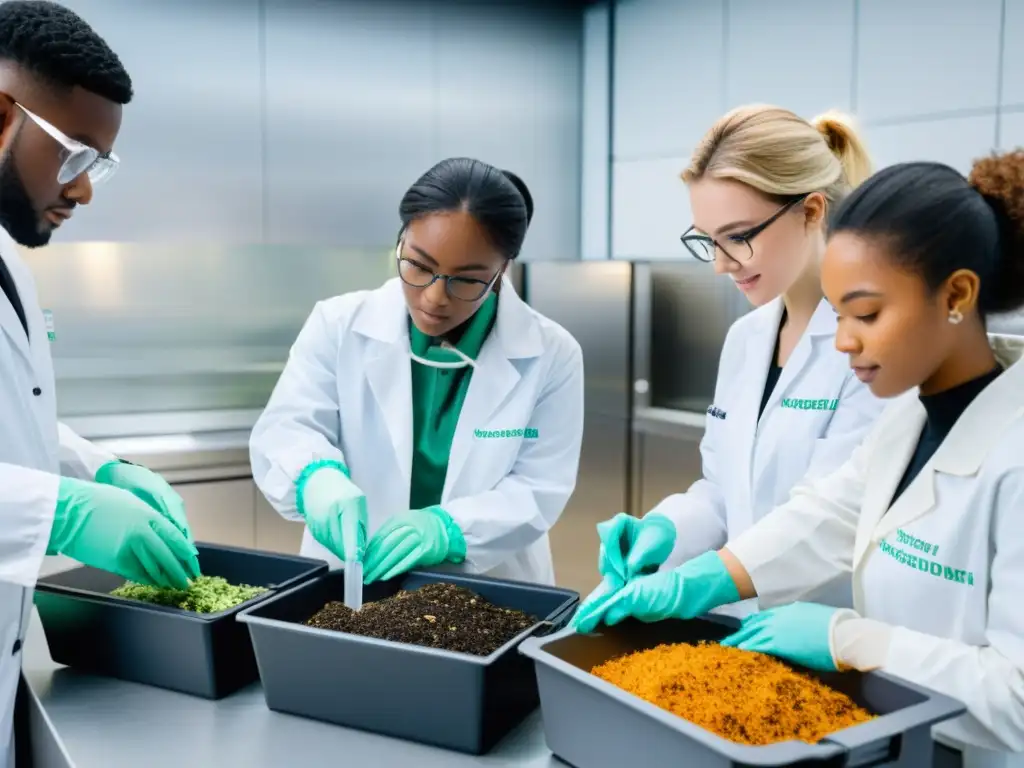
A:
[796,54]
[1011,131]
[650,209]
[956,141]
[668,74]
[921,57]
[1013,53]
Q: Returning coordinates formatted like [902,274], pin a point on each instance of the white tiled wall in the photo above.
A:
[928,79]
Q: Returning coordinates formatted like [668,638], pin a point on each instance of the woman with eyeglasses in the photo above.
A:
[436,419]
[927,514]
[762,182]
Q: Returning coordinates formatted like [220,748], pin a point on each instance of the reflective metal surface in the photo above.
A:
[665,465]
[109,723]
[304,121]
[191,141]
[157,328]
[683,312]
[592,301]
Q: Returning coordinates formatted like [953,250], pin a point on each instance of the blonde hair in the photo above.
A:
[780,154]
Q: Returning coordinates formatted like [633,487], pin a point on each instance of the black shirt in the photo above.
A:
[774,370]
[9,289]
[942,411]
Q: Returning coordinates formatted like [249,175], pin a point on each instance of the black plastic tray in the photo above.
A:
[453,700]
[592,724]
[208,655]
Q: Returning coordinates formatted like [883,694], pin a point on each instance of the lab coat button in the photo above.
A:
[37,391]
[17,647]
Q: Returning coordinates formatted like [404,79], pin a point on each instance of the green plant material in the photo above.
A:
[208,594]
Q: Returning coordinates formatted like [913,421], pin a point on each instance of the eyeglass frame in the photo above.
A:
[740,237]
[435,276]
[74,147]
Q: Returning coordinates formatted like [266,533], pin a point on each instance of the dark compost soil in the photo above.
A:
[436,615]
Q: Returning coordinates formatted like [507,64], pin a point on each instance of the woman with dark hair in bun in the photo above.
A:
[928,513]
[437,419]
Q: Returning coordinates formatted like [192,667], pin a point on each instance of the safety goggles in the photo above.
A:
[77,158]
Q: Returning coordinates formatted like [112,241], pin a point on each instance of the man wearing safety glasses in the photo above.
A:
[61,95]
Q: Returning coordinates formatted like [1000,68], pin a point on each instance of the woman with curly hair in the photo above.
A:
[928,514]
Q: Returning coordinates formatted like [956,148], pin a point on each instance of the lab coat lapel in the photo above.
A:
[886,468]
[492,381]
[820,330]
[390,377]
[8,317]
[514,336]
[964,450]
[384,321]
[758,353]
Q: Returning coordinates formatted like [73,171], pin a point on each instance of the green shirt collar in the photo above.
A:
[475,331]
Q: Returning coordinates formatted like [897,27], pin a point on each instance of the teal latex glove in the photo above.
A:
[149,487]
[334,509]
[630,546]
[111,529]
[685,592]
[799,632]
[418,538]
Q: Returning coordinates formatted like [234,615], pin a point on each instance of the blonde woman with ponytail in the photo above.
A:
[762,183]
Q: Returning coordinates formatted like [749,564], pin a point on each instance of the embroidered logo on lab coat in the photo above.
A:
[716,412]
[799,404]
[497,434]
[923,562]
[48,319]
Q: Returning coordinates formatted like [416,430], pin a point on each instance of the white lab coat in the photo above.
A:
[750,465]
[346,394]
[944,566]
[33,451]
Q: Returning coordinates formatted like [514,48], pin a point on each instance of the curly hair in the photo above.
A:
[936,222]
[1000,180]
[55,44]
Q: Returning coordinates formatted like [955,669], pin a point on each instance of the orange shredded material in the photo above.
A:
[745,697]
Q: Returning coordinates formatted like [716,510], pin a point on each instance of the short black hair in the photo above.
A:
[55,44]
[499,200]
[935,221]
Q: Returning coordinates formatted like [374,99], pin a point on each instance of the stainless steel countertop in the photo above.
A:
[182,446]
[106,723]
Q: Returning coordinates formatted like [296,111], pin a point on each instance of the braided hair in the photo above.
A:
[55,44]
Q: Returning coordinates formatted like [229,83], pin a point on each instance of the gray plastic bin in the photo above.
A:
[453,700]
[592,724]
[208,655]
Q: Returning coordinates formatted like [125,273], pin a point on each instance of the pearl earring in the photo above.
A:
[955,317]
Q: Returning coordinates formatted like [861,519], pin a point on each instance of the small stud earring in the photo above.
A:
[955,317]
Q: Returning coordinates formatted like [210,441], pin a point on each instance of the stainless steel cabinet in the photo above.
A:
[592,302]
[666,455]
[599,495]
[667,465]
[221,512]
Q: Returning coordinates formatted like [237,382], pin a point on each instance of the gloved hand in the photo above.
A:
[685,592]
[413,539]
[149,487]
[111,529]
[799,632]
[334,509]
[630,545]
